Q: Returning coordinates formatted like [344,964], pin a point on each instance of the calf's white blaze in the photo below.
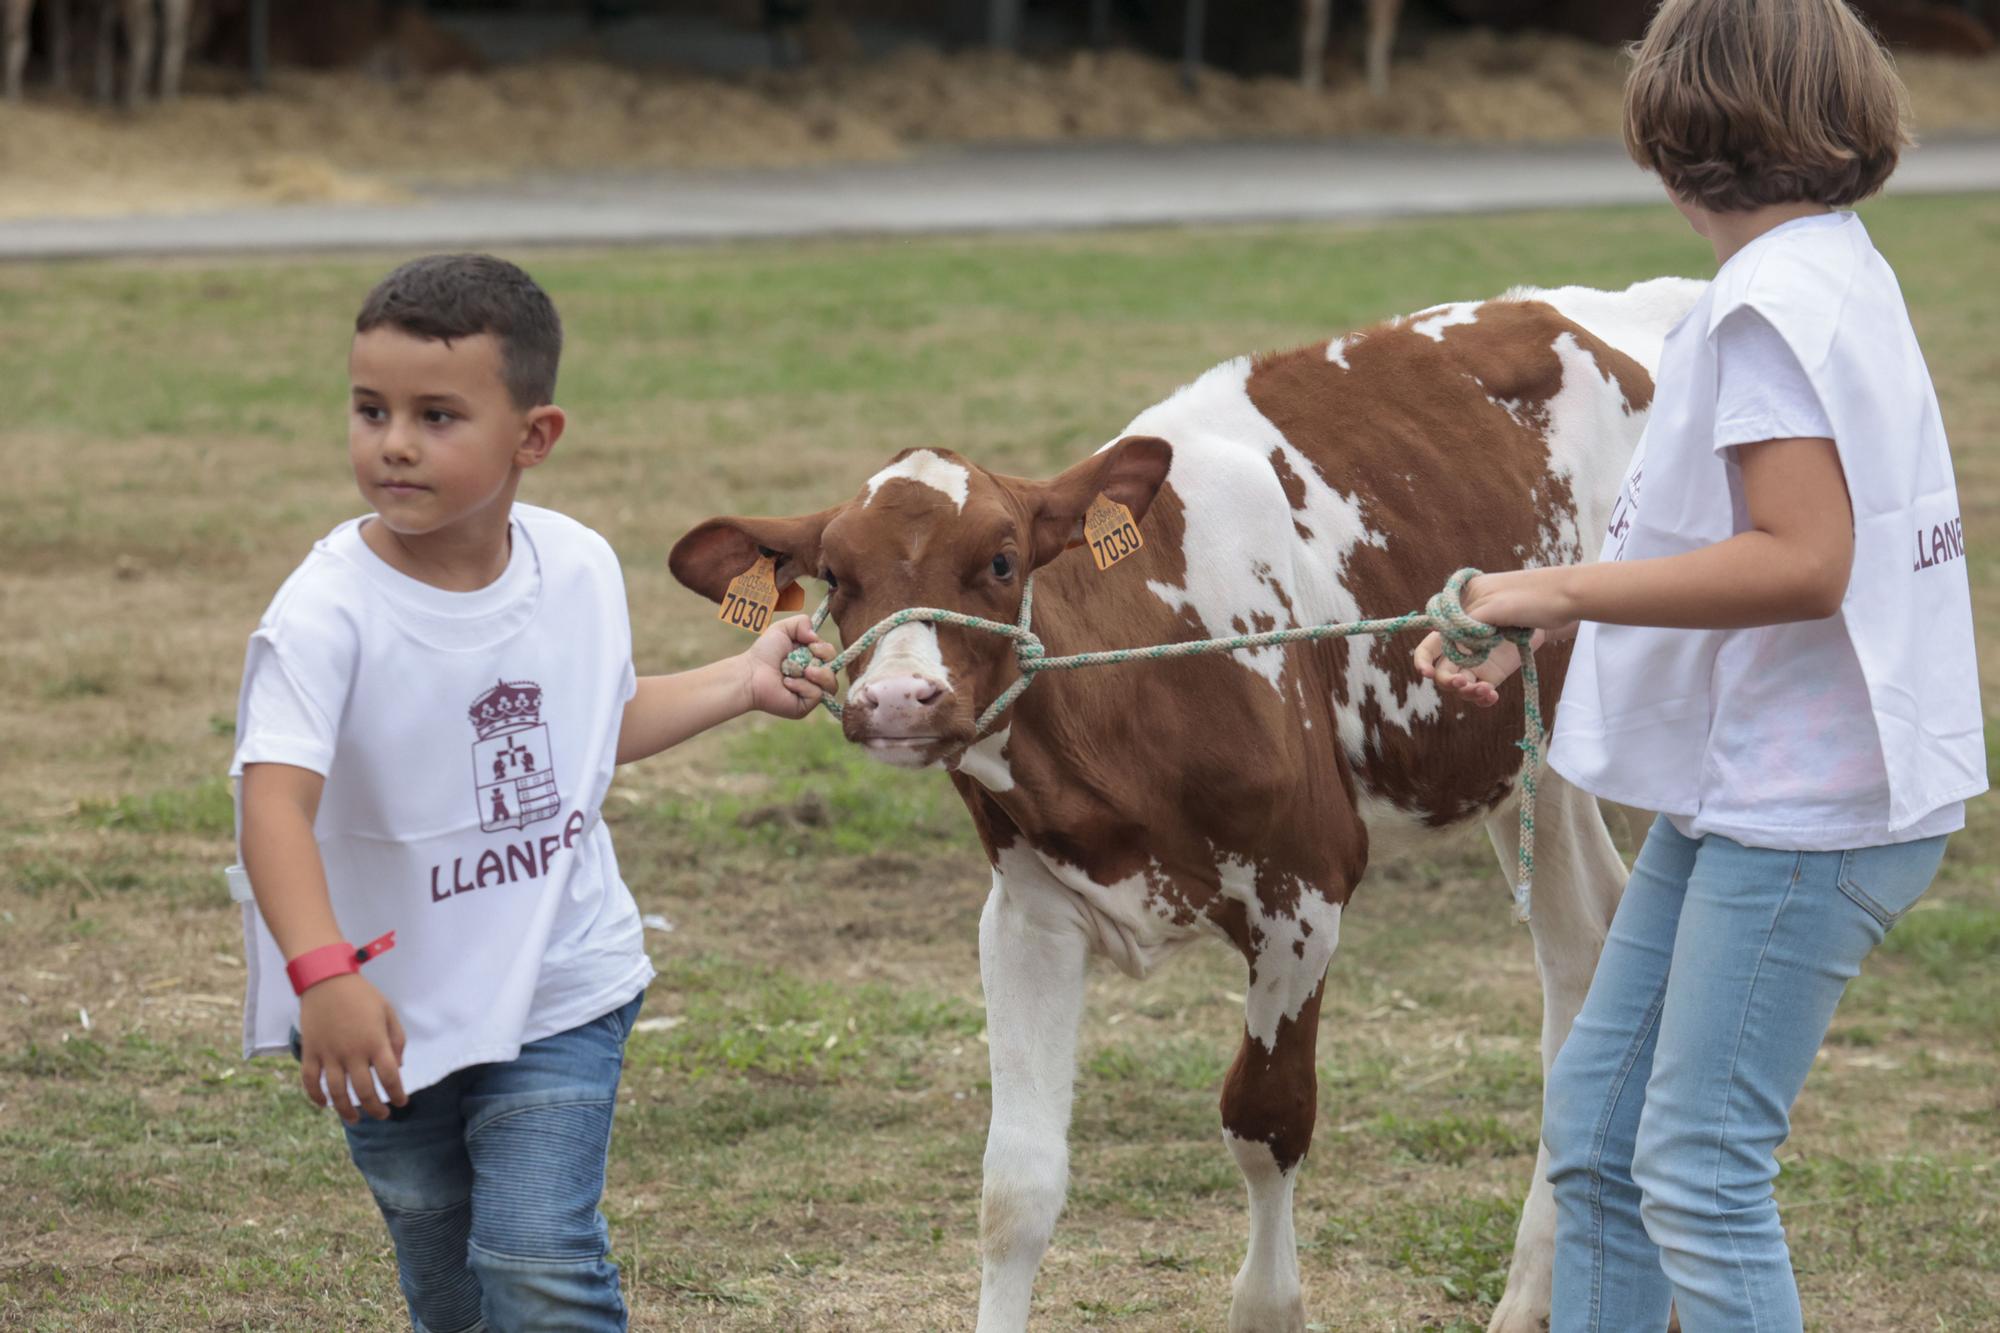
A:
[907,650]
[926,469]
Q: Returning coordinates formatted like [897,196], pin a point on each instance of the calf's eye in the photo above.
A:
[1003,566]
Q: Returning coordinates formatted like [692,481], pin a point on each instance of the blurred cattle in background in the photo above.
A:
[378,36]
[1316,21]
[1950,28]
[1262,36]
[402,38]
[153,31]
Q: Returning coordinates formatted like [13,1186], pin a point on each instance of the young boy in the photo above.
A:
[1776,654]
[475,1061]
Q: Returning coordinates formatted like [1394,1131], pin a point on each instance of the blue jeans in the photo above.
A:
[1666,1106]
[490,1180]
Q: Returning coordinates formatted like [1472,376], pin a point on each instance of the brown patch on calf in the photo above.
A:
[1293,484]
[1272,1096]
[1416,434]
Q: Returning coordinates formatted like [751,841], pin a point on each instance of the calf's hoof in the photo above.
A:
[1247,1315]
[1519,1315]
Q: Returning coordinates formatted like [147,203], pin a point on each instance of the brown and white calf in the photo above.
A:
[1128,810]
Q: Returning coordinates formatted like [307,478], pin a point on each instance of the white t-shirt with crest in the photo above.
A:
[467,741]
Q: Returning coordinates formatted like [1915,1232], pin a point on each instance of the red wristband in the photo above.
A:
[334,960]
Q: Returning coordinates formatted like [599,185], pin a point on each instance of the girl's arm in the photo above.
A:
[1791,563]
[667,710]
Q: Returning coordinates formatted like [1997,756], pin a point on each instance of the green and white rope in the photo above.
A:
[1467,642]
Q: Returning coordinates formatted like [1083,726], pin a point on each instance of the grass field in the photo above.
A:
[802,1150]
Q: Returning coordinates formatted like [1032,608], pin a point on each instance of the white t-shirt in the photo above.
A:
[467,741]
[1782,736]
[1803,749]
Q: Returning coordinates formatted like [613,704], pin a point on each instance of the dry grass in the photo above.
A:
[174,446]
[351,137]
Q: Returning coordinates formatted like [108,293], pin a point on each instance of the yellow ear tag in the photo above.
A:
[1109,531]
[751,596]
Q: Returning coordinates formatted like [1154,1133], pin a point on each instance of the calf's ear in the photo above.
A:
[1130,472]
[713,553]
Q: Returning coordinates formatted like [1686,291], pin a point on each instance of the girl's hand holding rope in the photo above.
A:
[1530,598]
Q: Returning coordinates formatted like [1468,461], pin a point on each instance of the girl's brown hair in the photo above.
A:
[1741,103]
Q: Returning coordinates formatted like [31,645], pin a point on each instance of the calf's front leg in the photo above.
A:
[1032,950]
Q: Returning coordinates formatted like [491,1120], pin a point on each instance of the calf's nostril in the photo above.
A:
[899,694]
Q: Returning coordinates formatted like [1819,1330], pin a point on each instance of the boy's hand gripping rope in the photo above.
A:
[1467,642]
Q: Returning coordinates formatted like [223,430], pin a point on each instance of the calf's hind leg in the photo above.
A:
[1579,878]
[1269,1101]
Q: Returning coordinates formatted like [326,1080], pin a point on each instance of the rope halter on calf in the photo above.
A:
[1467,642]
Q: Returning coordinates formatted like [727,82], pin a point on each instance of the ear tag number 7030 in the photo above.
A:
[754,594]
[1110,532]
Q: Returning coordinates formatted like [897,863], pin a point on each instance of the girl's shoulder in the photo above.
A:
[1801,277]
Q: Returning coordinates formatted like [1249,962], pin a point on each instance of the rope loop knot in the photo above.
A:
[795,663]
[1467,642]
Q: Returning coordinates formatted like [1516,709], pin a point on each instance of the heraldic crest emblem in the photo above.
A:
[513,765]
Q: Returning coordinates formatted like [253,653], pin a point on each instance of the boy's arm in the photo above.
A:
[667,710]
[346,1027]
[280,803]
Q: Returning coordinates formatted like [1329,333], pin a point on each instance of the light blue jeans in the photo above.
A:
[1666,1106]
[490,1181]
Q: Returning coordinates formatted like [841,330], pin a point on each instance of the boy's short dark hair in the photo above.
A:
[1741,103]
[462,296]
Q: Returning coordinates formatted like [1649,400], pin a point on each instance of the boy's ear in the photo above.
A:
[545,426]
[1129,472]
[715,552]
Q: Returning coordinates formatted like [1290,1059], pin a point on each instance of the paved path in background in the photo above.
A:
[978,190]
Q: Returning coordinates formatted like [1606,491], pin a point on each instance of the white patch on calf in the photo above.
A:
[1292,952]
[1591,435]
[1365,680]
[1240,537]
[986,762]
[1635,321]
[1241,549]
[1128,921]
[1336,351]
[1433,322]
[926,469]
